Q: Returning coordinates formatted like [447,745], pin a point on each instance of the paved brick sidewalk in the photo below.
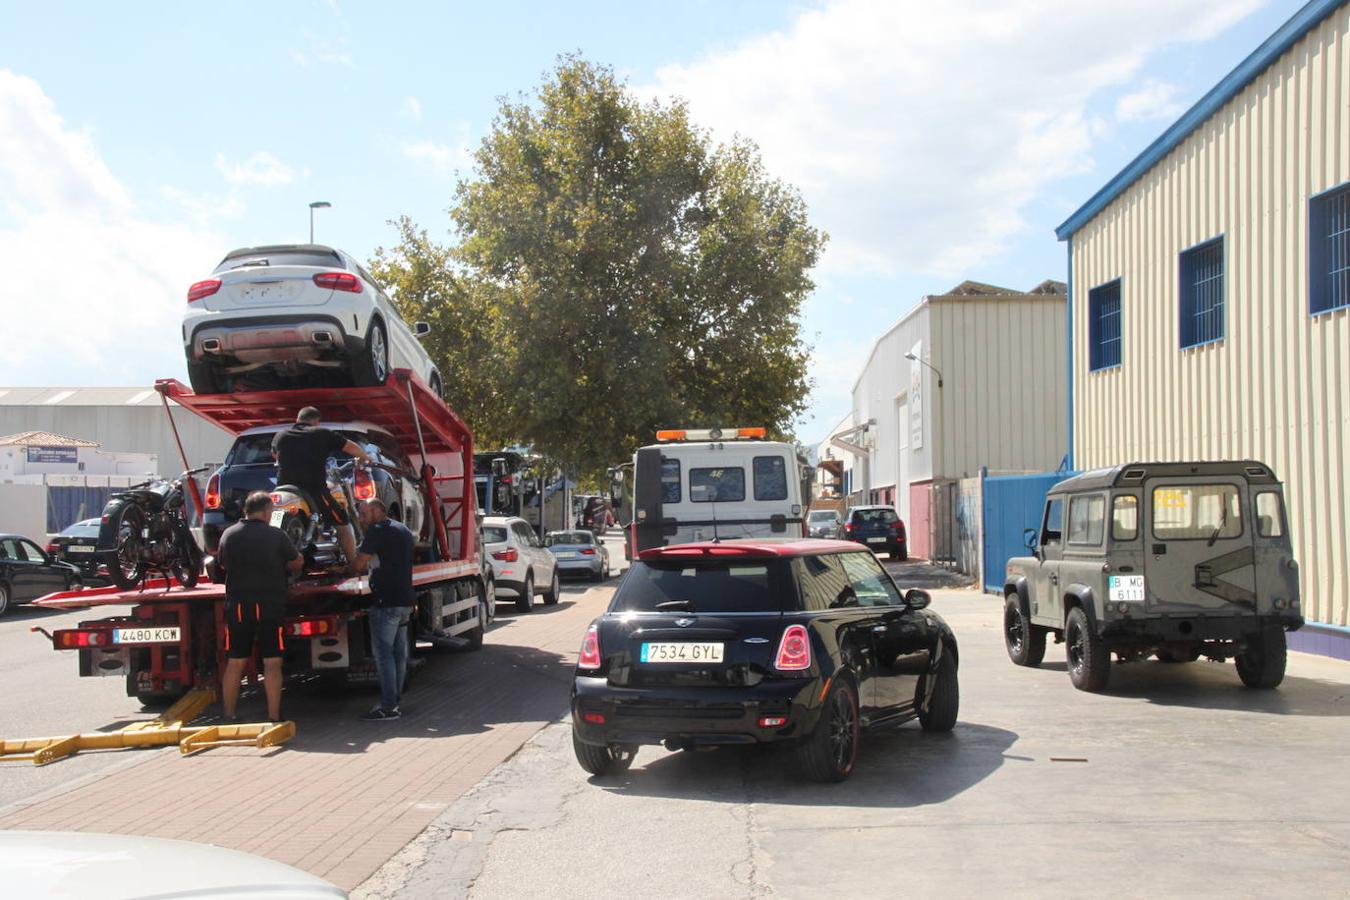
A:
[345,795]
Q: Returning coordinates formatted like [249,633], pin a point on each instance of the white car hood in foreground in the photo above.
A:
[42,864]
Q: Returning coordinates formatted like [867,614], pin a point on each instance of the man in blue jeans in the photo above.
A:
[389,544]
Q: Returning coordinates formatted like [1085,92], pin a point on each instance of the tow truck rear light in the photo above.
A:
[510,554]
[589,658]
[203,289]
[213,492]
[312,627]
[74,640]
[794,650]
[364,486]
[339,281]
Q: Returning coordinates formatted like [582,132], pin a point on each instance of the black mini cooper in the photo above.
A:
[747,641]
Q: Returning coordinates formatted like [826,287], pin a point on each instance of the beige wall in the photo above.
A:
[1277,387]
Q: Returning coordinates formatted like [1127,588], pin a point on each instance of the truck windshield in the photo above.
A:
[739,586]
[1185,512]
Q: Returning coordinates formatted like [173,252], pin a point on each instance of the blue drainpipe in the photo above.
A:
[1069,352]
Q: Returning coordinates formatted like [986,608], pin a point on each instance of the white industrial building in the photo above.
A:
[36,454]
[1210,296]
[969,379]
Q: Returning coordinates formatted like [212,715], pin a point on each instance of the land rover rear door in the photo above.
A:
[1198,550]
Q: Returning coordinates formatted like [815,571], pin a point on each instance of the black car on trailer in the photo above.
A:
[758,641]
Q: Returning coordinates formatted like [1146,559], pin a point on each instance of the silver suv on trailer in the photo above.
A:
[1175,560]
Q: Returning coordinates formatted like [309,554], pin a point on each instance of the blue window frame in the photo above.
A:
[1202,293]
[1104,326]
[1329,251]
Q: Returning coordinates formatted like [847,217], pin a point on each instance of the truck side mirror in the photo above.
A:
[1029,539]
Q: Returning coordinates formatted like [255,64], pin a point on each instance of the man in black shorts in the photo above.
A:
[302,453]
[256,558]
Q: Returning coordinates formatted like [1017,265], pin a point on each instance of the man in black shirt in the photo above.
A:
[302,452]
[256,558]
[390,544]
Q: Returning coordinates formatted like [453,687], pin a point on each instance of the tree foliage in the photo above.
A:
[615,272]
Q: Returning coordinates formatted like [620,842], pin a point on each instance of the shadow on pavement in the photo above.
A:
[900,768]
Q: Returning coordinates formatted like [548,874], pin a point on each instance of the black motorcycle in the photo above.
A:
[144,528]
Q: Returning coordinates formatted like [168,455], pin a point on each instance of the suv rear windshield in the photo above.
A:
[251,449]
[283,258]
[494,534]
[1184,512]
[730,586]
[874,516]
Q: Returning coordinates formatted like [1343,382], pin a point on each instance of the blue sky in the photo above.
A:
[139,142]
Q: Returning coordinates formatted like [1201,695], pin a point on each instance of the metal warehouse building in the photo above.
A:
[1210,296]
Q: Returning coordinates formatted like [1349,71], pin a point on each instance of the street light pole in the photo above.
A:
[925,363]
[317,204]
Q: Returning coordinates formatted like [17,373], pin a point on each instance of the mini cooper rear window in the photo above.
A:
[726,587]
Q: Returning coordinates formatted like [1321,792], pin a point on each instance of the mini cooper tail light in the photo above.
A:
[203,289]
[339,281]
[589,658]
[794,650]
[595,718]
[772,721]
[213,492]
[364,486]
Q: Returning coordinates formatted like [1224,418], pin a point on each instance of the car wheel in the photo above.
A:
[1025,642]
[526,598]
[371,367]
[1178,654]
[554,591]
[829,753]
[1089,660]
[204,378]
[490,586]
[1262,661]
[607,760]
[4,599]
[939,713]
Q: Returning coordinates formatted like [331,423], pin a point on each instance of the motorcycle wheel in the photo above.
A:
[187,567]
[125,564]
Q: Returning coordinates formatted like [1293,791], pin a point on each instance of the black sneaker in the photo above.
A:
[380,714]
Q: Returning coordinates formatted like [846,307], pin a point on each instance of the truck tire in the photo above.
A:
[1025,642]
[1089,660]
[829,752]
[608,760]
[554,591]
[939,714]
[1262,661]
[526,599]
[371,366]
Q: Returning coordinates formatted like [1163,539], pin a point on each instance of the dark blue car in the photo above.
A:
[879,527]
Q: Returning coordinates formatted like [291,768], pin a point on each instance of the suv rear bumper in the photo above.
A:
[263,339]
[693,716]
[1198,628]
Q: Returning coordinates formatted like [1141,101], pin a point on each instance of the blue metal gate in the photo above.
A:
[1012,504]
[68,504]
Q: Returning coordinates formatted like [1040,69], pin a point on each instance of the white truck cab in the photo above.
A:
[701,485]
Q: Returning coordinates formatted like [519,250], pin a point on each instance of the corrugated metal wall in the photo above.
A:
[1003,397]
[919,525]
[1277,387]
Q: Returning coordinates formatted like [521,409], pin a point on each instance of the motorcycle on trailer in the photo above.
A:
[296,513]
[145,528]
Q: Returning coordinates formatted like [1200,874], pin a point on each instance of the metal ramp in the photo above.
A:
[165,730]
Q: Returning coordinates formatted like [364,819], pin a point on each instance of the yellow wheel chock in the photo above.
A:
[163,731]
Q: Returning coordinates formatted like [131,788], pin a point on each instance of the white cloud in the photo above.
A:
[919,132]
[1153,101]
[262,168]
[441,159]
[96,288]
[323,49]
[204,208]
[412,108]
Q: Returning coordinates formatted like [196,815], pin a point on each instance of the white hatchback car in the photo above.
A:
[296,310]
[520,564]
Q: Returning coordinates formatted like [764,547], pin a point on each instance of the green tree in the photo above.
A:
[618,272]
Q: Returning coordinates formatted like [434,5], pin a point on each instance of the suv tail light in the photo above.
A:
[589,657]
[213,492]
[850,528]
[508,555]
[339,281]
[364,486]
[794,650]
[899,526]
[203,289]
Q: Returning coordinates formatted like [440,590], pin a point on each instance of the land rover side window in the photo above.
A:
[871,584]
[823,582]
[725,484]
[1194,512]
[1269,515]
[1125,517]
[1087,518]
[1052,527]
[770,478]
[670,481]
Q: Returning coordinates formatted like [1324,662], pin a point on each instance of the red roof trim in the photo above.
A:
[749,547]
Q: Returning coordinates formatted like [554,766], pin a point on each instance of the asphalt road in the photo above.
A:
[42,695]
[1178,782]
